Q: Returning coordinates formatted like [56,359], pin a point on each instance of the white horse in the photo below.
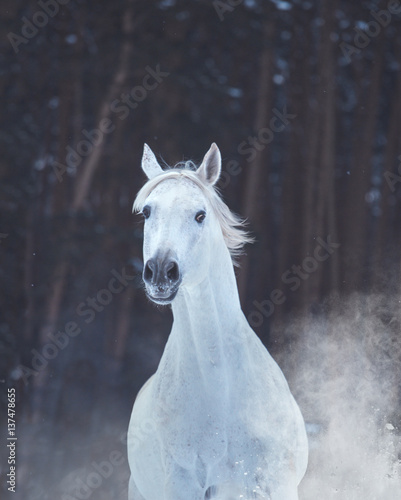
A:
[217,419]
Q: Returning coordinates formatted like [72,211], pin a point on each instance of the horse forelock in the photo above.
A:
[232,226]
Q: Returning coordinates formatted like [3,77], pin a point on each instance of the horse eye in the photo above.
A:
[146,211]
[200,216]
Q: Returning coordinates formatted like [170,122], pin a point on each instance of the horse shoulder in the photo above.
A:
[145,386]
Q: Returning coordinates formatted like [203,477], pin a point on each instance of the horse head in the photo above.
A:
[180,223]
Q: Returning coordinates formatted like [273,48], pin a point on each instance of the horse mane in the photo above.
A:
[232,225]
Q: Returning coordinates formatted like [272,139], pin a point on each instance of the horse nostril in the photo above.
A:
[148,271]
[172,271]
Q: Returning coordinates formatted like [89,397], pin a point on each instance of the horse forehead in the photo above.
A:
[177,192]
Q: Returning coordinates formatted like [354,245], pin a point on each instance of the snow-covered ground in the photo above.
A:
[345,372]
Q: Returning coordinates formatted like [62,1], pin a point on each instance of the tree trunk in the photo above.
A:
[88,169]
[82,186]
[356,244]
[388,217]
[251,200]
[325,212]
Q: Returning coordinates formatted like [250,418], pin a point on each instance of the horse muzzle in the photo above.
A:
[162,278]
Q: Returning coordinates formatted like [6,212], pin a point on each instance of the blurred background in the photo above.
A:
[303,99]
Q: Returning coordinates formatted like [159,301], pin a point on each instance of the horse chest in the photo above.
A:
[192,425]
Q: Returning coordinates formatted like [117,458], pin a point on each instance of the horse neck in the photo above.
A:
[208,321]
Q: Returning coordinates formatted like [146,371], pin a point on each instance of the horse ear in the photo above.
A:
[210,168]
[149,163]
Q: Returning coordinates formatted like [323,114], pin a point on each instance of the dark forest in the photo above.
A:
[303,98]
